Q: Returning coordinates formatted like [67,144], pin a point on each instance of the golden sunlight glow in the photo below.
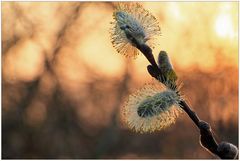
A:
[23,62]
[175,10]
[224,26]
[187,30]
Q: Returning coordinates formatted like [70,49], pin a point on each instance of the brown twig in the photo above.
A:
[224,150]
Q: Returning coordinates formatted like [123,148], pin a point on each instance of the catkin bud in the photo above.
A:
[166,67]
[227,150]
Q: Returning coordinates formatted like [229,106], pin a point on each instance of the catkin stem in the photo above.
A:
[146,50]
[190,113]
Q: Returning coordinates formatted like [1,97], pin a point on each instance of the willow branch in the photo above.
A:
[224,150]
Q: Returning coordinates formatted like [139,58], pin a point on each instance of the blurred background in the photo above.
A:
[63,82]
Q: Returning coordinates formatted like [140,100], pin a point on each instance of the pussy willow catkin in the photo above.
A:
[132,21]
[151,108]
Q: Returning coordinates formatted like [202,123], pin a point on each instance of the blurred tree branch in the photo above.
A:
[21,18]
[111,134]
[34,93]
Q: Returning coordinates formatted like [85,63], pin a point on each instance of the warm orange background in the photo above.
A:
[63,82]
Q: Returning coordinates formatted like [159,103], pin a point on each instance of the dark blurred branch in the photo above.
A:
[34,88]
[49,63]
[25,22]
[224,150]
[111,134]
[8,44]
[61,35]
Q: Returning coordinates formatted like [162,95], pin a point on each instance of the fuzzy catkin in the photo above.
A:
[151,108]
[132,21]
